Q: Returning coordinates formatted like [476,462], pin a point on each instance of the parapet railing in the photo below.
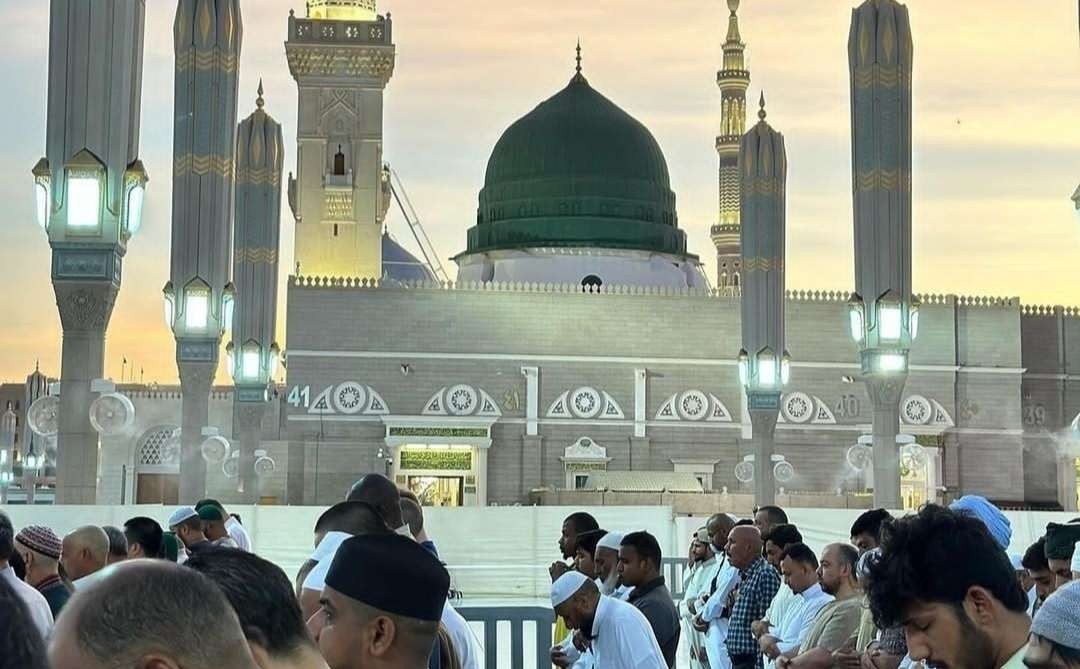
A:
[328,31]
[518,618]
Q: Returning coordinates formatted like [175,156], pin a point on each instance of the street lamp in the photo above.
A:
[883,317]
[1076,202]
[259,161]
[88,198]
[764,364]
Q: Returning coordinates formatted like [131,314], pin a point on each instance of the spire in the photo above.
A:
[259,102]
[733,36]
[578,68]
[761,112]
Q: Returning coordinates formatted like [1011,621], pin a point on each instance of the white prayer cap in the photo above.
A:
[323,555]
[610,540]
[566,586]
[1075,566]
[182,514]
[1017,561]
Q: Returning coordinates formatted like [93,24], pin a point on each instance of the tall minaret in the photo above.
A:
[733,80]
[342,57]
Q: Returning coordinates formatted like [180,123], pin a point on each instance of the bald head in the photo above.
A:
[744,546]
[381,493]
[85,551]
[144,610]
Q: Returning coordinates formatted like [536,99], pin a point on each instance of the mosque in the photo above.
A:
[582,355]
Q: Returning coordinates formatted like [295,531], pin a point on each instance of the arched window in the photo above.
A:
[591,283]
[735,279]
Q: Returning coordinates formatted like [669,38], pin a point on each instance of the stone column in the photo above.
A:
[481,474]
[247,425]
[196,379]
[885,396]
[84,313]
[294,477]
[763,444]
[532,463]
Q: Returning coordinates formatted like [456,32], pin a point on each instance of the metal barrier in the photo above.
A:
[519,618]
[673,570]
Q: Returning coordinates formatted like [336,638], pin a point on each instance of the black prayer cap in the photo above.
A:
[391,573]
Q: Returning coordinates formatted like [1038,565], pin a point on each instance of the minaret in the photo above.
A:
[733,80]
[199,296]
[342,57]
[254,353]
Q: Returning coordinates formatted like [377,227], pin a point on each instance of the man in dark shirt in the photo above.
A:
[639,567]
[756,591]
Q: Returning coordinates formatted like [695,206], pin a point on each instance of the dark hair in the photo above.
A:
[742,522]
[776,514]
[646,545]
[21,645]
[800,552]
[7,537]
[194,523]
[847,555]
[784,534]
[1035,556]
[118,619]
[870,522]
[147,533]
[413,515]
[381,493]
[1069,656]
[118,543]
[209,501]
[352,518]
[261,595]
[582,522]
[236,517]
[587,541]
[936,556]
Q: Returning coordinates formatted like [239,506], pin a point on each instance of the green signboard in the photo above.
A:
[458,460]
[459,432]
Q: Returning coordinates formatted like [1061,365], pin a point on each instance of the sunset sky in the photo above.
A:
[997,140]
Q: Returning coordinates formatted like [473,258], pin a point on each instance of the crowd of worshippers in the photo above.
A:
[935,588]
[193,595]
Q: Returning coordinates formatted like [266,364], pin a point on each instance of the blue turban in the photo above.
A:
[991,516]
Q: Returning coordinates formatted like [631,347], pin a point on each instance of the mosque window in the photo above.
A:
[735,279]
[339,162]
[335,230]
[591,282]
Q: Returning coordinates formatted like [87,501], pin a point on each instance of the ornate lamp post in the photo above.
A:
[883,315]
[764,364]
[199,297]
[88,192]
[8,423]
[254,354]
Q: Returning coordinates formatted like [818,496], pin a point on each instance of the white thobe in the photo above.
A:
[467,647]
[40,613]
[696,584]
[727,579]
[797,619]
[783,599]
[89,579]
[623,638]
[238,533]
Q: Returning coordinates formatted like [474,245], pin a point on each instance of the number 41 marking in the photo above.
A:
[300,396]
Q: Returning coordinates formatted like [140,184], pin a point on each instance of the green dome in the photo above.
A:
[577,171]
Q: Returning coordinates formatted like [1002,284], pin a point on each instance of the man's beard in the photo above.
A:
[978,647]
[610,584]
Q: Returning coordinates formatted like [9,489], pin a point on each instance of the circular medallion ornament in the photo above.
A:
[693,405]
[744,471]
[585,402]
[349,397]
[461,400]
[798,407]
[917,410]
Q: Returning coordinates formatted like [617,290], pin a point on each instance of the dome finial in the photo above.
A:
[733,5]
[761,112]
[578,68]
[259,102]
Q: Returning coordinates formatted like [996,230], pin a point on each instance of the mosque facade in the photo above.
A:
[582,346]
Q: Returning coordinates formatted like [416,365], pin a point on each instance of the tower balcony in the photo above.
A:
[340,33]
[733,79]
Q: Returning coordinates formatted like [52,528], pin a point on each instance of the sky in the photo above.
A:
[996,141]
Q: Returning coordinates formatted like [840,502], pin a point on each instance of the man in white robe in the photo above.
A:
[620,636]
[697,582]
[786,635]
[714,613]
